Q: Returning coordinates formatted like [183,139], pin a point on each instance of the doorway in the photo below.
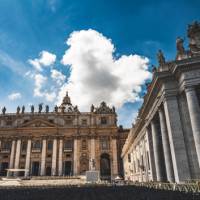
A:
[105,169]
[4,166]
[35,168]
[67,168]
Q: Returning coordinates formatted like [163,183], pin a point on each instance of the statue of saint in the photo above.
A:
[92,108]
[194,38]
[92,164]
[18,109]
[56,108]
[4,110]
[113,109]
[40,108]
[47,108]
[23,109]
[160,57]
[32,108]
[76,109]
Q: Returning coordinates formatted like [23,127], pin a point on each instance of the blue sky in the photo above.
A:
[29,27]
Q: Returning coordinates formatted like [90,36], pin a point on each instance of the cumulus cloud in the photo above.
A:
[96,75]
[14,96]
[39,90]
[58,77]
[45,59]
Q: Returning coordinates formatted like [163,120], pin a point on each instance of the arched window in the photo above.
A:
[68,145]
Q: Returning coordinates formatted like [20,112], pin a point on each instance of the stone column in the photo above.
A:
[92,153]
[54,158]
[12,155]
[194,112]
[114,157]
[156,149]
[43,157]
[166,147]
[75,164]
[151,154]
[60,158]
[28,156]
[176,140]
[17,155]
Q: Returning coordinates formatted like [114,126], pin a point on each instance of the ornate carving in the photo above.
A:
[161,58]
[103,109]
[194,37]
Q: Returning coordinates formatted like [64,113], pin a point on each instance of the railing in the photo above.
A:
[185,187]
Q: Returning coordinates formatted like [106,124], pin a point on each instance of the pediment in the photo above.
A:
[38,123]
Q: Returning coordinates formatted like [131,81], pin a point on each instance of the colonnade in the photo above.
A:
[168,153]
[57,156]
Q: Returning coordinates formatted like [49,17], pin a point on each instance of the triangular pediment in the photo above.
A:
[38,123]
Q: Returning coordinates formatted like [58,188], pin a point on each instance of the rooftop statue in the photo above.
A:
[92,108]
[194,38]
[18,109]
[32,109]
[181,53]
[47,108]
[4,110]
[40,107]
[56,108]
[23,109]
[161,58]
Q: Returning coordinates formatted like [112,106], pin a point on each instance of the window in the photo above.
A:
[103,120]
[36,145]
[84,122]
[50,145]
[24,146]
[6,146]
[68,145]
[105,144]
[84,144]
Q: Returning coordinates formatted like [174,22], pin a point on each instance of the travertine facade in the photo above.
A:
[164,143]
[61,143]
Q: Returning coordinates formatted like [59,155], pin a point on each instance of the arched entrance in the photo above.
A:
[105,170]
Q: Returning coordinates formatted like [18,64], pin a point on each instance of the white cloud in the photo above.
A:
[97,76]
[40,91]
[57,76]
[45,59]
[14,96]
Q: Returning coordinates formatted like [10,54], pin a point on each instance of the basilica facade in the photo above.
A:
[65,142]
[164,143]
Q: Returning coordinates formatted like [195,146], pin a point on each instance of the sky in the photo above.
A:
[97,50]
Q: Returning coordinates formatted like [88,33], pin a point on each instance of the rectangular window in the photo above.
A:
[24,146]
[68,145]
[103,120]
[50,145]
[6,146]
[84,122]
